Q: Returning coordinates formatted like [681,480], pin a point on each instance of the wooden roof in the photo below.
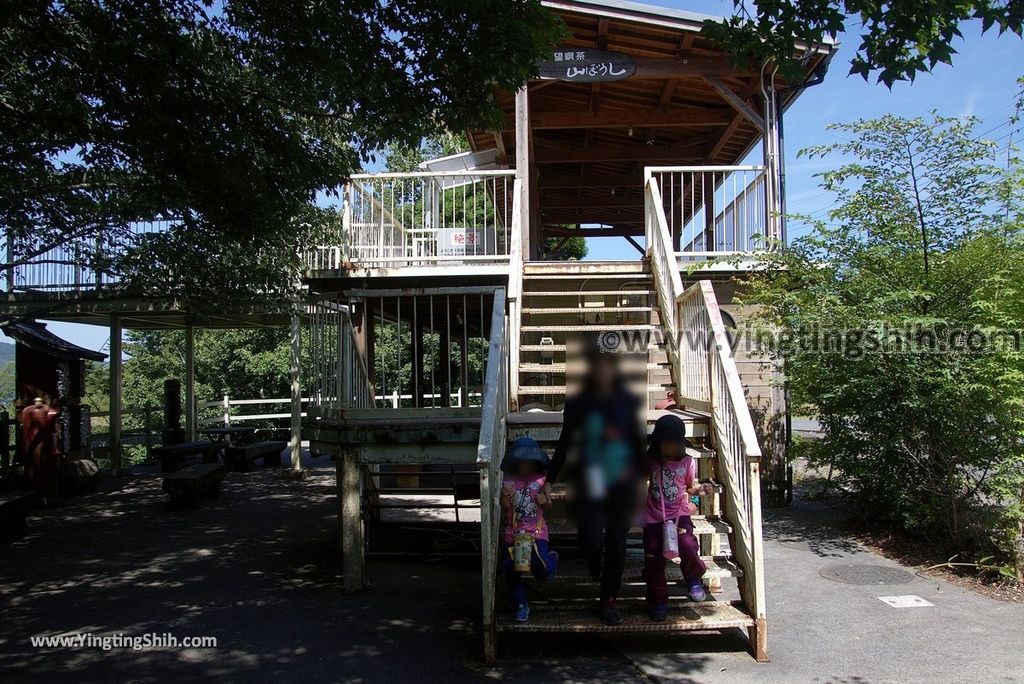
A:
[686,104]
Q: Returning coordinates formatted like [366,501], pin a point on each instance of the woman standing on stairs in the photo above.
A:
[601,430]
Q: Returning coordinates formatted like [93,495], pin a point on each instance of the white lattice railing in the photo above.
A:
[337,373]
[390,220]
[490,449]
[707,379]
[716,211]
[667,282]
[74,263]
[710,378]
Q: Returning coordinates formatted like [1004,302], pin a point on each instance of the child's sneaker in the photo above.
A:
[697,591]
[609,613]
[659,612]
[522,612]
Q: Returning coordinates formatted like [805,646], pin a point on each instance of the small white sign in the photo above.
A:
[906,601]
[456,242]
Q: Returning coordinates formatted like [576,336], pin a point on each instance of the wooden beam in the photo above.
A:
[633,230]
[499,147]
[610,153]
[730,130]
[736,102]
[551,182]
[630,240]
[677,117]
[600,216]
[593,201]
[687,65]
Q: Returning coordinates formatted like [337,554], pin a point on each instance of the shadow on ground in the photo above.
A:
[258,569]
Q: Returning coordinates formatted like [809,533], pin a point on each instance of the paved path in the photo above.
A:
[824,631]
[257,568]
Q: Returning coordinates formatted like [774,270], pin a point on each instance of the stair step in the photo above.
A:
[702,525]
[560,367]
[586,309]
[546,390]
[587,293]
[561,347]
[587,327]
[574,571]
[581,617]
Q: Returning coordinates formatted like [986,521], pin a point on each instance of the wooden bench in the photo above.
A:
[172,456]
[14,506]
[188,486]
[241,457]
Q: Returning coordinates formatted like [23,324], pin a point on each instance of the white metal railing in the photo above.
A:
[715,382]
[667,282]
[706,378]
[74,263]
[716,211]
[338,374]
[490,449]
[390,220]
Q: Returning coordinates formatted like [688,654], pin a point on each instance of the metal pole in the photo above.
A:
[148,417]
[295,443]
[190,383]
[116,382]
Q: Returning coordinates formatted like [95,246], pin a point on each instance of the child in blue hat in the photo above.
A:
[524,496]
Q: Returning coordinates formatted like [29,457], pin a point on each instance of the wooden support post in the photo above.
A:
[116,382]
[295,441]
[148,427]
[190,384]
[758,634]
[350,521]
[523,168]
[489,561]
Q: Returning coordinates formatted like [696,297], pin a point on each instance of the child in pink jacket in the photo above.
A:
[673,479]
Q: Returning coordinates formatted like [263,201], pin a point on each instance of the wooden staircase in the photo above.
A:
[559,301]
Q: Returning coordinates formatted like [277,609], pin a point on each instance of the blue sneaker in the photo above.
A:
[697,592]
[659,612]
[522,612]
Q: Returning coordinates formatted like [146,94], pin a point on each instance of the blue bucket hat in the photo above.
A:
[522,450]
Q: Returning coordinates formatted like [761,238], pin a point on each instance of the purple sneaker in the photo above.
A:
[697,592]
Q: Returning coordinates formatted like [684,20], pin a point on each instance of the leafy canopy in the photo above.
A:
[898,40]
[926,244]
[232,116]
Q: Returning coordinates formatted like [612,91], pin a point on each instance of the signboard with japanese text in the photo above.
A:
[582,65]
[456,242]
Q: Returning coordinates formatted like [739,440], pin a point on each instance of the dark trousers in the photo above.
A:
[654,563]
[603,528]
[541,569]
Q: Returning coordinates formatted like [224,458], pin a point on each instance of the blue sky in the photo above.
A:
[982,83]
